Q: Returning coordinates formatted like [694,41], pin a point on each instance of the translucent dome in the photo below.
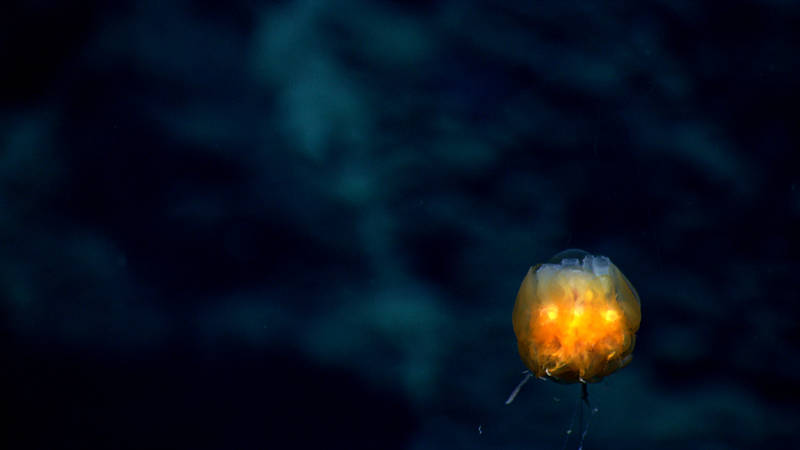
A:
[576,318]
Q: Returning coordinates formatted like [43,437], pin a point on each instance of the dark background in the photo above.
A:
[297,224]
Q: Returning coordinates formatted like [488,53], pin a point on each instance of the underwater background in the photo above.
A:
[303,224]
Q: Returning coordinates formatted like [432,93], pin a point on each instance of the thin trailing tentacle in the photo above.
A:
[583,402]
[514,393]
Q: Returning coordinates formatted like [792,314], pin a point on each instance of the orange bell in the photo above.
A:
[576,318]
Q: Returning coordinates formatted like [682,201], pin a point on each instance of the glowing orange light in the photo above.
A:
[576,318]
[551,312]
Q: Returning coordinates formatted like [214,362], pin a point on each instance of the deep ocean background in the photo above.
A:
[303,224]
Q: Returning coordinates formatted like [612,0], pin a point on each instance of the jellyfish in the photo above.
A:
[575,319]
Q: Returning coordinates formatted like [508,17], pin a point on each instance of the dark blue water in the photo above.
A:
[303,224]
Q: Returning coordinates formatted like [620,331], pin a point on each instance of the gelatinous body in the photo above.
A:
[576,318]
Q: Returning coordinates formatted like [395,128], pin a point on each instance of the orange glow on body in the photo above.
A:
[576,320]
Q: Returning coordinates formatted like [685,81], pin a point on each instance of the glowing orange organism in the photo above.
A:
[576,318]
